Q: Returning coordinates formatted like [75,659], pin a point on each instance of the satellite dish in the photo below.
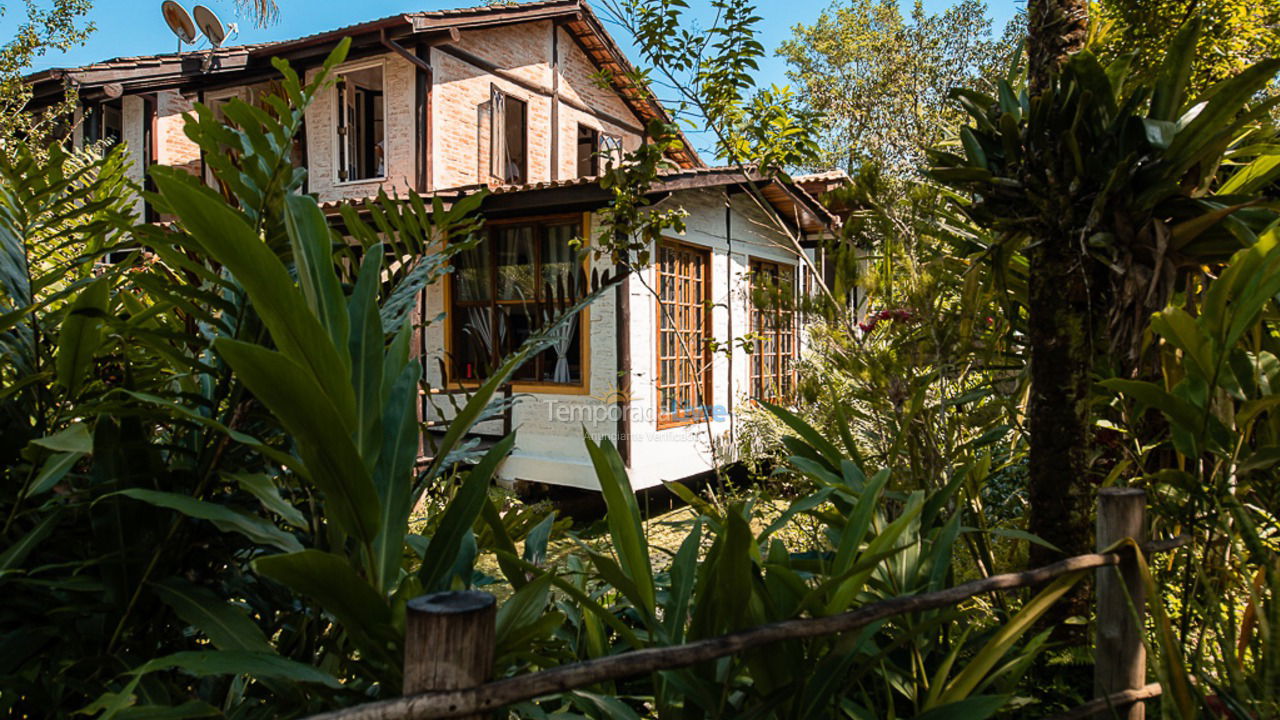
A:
[179,21]
[210,25]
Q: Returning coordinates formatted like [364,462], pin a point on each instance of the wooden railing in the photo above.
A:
[449,636]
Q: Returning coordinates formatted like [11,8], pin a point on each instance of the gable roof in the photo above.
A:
[197,68]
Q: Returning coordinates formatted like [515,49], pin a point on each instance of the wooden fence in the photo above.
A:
[449,637]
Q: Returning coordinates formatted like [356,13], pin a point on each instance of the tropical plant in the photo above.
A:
[1212,475]
[211,445]
[1116,190]
[876,543]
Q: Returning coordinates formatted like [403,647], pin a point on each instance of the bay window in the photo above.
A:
[518,280]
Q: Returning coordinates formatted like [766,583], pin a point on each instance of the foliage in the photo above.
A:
[880,81]
[1237,34]
[56,27]
[1213,472]
[875,543]
[209,465]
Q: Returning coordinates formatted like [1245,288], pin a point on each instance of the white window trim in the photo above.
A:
[381,64]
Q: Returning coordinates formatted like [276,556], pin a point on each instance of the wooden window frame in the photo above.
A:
[583,385]
[498,99]
[593,160]
[688,305]
[783,376]
[340,125]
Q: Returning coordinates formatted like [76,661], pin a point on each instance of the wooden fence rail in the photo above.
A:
[442,701]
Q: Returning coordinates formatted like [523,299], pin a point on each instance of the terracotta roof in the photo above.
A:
[790,201]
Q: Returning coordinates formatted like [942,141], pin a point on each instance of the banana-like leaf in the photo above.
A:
[264,488]
[366,346]
[223,517]
[333,583]
[324,440]
[228,627]
[460,516]
[81,334]
[625,527]
[311,239]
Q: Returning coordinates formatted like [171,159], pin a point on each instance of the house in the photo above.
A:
[506,97]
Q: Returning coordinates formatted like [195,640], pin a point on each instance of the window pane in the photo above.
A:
[560,262]
[515,264]
[471,274]
[361,124]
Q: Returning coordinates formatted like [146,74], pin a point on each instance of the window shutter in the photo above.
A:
[342,129]
[497,134]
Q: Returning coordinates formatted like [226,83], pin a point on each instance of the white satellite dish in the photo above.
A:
[210,25]
[179,22]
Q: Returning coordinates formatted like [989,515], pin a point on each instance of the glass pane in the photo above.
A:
[515,264]
[471,274]
[559,261]
[519,325]
[473,342]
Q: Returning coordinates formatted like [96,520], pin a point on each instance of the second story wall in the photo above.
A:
[399,139]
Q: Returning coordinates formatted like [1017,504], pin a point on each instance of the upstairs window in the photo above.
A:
[684,316]
[611,151]
[106,124]
[361,125]
[508,138]
[521,277]
[588,151]
[773,323]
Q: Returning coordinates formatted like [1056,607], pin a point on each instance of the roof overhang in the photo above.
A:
[790,203]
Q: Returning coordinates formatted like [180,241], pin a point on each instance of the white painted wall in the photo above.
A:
[553,452]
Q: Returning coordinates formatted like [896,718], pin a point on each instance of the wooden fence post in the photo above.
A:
[1120,660]
[449,641]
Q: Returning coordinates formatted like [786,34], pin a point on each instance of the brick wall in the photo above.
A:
[398,76]
[173,147]
[461,103]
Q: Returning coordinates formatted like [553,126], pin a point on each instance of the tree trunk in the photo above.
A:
[1060,329]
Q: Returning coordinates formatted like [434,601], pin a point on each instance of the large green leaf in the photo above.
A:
[225,235]
[228,627]
[264,488]
[226,519]
[625,527]
[366,347]
[324,441]
[81,334]
[312,242]
[460,516]
[333,583]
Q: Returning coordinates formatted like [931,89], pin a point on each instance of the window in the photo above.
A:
[611,149]
[361,125]
[773,323]
[588,144]
[508,161]
[521,277]
[105,123]
[684,381]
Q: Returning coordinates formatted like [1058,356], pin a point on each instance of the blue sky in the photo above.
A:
[135,27]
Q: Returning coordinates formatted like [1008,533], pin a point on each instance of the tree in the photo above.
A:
[1062,282]
[1236,34]
[881,80]
[57,27]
